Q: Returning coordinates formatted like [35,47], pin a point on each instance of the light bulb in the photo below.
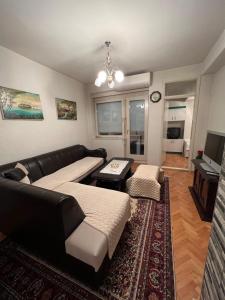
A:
[111,84]
[98,82]
[102,76]
[119,76]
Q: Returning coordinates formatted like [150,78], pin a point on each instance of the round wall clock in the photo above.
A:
[155,96]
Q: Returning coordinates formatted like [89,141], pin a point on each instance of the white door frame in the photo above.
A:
[196,94]
[128,98]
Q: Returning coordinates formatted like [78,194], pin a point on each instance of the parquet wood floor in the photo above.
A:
[190,236]
[176,160]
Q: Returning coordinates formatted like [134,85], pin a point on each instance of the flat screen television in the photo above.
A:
[173,132]
[213,152]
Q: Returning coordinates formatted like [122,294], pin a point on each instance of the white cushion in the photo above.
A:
[88,245]
[144,182]
[26,178]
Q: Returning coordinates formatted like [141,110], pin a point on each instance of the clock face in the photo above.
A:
[155,96]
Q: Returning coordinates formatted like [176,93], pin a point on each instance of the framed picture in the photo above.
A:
[66,110]
[20,105]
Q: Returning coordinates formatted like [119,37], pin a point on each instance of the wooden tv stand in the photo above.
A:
[204,190]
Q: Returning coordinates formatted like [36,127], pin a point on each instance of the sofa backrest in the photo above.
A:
[45,164]
[37,216]
[53,161]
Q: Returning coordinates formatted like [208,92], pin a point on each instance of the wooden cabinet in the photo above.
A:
[176,114]
[174,145]
[204,191]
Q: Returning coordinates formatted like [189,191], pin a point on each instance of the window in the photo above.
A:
[109,118]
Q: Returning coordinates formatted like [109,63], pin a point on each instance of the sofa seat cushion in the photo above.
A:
[105,210]
[88,245]
[73,172]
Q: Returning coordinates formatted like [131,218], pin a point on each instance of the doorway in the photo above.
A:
[178,119]
[135,131]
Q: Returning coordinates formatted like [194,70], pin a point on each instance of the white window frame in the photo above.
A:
[109,100]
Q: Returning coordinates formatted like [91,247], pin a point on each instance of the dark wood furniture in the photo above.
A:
[113,181]
[204,190]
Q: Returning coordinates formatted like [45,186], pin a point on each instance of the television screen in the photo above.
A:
[173,133]
[214,147]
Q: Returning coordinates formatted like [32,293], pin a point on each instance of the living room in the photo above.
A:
[51,54]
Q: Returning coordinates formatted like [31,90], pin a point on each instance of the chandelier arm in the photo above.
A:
[109,73]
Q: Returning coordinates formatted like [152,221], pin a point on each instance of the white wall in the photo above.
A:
[189,118]
[201,122]
[24,138]
[114,146]
[216,120]
[216,56]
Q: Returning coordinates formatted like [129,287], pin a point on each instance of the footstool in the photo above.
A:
[144,182]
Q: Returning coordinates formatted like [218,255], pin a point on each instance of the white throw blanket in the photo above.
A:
[115,167]
[71,172]
[144,182]
[106,210]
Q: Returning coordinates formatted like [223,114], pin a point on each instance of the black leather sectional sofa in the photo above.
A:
[39,218]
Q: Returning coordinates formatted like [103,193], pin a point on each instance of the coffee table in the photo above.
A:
[113,180]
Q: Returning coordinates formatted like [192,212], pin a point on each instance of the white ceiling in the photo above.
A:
[147,35]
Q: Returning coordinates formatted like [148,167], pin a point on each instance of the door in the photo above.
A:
[170,115]
[136,128]
[176,114]
[180,114]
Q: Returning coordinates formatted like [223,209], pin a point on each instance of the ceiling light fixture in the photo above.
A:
[109,74]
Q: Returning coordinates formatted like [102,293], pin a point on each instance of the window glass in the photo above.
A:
[137,126]
[109,118]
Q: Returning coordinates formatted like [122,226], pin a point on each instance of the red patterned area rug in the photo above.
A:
[141,267]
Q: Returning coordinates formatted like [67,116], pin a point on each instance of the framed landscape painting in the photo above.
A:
[20,105]
[66,110]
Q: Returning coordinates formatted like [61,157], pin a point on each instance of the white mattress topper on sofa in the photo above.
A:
[105,210]
[71,172]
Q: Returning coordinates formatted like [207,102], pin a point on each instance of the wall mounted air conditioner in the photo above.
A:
[132,82]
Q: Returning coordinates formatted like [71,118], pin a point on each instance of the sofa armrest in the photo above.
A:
[38,215]
[100,152]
